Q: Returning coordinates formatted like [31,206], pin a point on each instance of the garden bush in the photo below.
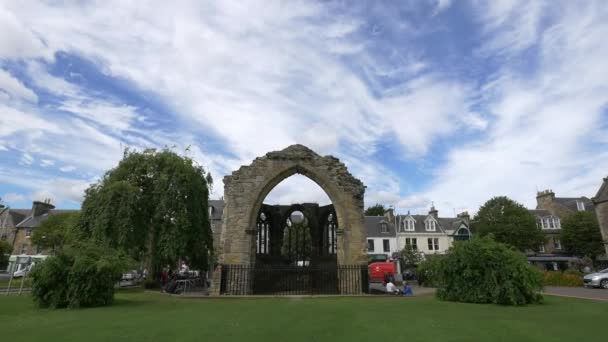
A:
[485,271]
[428,271]
[568,278]
[78,276]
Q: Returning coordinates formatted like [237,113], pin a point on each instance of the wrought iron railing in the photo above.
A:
[293,280]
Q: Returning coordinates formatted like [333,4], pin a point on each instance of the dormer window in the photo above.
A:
[430,225]
[384,227]
[407,225]
[580,205]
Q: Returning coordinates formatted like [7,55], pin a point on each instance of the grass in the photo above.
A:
[139,316]
[15,284]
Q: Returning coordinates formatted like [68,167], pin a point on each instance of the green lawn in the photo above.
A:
[154,317]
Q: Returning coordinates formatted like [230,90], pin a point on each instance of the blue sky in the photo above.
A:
[444,102]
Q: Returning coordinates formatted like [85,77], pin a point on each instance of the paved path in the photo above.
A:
[578,292]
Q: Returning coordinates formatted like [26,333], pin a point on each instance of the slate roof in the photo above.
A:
[570,203]
[602,193]
[34,221]
[447,225]
[539,212]
[373,226]
[218,209]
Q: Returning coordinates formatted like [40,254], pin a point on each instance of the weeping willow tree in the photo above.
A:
[154,206]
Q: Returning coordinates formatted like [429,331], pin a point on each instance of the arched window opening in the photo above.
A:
[329,235]
[263,236]
[296,239]
[463,234]
[293,228]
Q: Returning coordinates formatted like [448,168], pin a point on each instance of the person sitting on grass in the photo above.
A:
[407,289]
[391,288]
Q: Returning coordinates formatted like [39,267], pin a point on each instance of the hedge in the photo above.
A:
[571,279]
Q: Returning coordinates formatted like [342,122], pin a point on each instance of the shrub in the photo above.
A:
[569,278]
[5,251]
[78,276]
[485,271]
[428,271]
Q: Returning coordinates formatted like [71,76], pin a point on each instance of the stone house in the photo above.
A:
[549,213]
[9,218]
[431,234]
[29,220]
[601,210]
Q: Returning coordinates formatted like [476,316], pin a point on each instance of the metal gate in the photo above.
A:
[293,280]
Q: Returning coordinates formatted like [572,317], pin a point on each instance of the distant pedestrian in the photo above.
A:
[407,289]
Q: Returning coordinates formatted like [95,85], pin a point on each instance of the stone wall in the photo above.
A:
[601,210]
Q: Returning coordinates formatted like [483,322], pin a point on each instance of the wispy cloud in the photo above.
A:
[422,104]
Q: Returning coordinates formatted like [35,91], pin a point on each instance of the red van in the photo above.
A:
[379,270]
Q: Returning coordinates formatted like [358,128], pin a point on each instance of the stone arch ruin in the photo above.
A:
[246,189]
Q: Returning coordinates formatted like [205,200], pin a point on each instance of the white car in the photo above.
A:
[597,279]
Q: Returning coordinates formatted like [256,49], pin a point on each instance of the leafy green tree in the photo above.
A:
[581,235]
[154,206]
[375,210]
[509,222]
[53,233]
[409,258]
[5,252]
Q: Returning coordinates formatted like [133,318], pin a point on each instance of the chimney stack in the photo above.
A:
[433,212]
[464,216]
[390,214]
[41,208]
[544,199]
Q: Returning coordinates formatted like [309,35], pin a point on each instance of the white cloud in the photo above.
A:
[26,159]
[286,75]
[15,88]
[47,162]
[16,40]
[544,121]
[12,197]
[67,168]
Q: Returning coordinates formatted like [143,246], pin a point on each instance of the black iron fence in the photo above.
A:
[293,280]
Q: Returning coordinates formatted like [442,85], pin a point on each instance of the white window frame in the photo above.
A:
[557,244]
[430,225]
[433,244]
[541,248]
[373,244]
[412,242]
[580,205]
[383,227]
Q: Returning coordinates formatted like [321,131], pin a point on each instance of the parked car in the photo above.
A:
[597,279]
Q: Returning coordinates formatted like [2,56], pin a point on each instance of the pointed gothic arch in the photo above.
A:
[246,189]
